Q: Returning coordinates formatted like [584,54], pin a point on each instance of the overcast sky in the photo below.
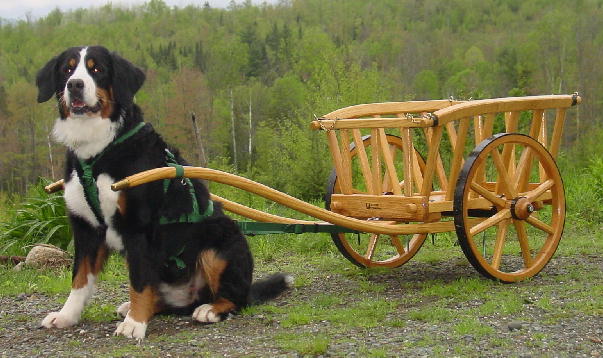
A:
[16,9]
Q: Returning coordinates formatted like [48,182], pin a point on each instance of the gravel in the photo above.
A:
[533,332]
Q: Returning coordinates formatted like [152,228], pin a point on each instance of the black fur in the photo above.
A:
[155,253]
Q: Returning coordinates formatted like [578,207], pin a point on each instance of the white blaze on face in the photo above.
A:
[81,73]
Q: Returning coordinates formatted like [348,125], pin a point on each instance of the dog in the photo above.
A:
[183,254]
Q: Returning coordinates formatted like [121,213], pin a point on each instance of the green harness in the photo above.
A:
[91,190]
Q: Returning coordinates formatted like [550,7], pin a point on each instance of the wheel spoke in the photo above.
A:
[398,244]
[495,219]
[534,194]
[501,234]
[503,175]
[490,196]
[370,250]
[522,236]
[532,220]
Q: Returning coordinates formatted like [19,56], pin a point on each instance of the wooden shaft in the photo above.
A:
[283,199]
[439,171]
[54,187]
[254,214]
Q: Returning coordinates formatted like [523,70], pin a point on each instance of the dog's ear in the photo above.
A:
[127,80]
[46,80]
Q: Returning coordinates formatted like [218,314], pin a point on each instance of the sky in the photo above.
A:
[17,9]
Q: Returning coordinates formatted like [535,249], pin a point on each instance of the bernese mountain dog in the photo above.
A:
[184,255]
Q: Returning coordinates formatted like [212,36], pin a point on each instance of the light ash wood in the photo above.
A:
[388,207]
[281,198]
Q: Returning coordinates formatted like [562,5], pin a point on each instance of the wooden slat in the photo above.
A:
[389,163]
[488,125]
[543,139]
[557,132]
[408,160]
[440,172]
[457,157]
[375,162]
[451,130]
[363,159]
[344,181]
[432,157]
[417,174]
[537,119]
[346,154]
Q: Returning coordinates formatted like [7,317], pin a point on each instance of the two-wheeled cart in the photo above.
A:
[402,170]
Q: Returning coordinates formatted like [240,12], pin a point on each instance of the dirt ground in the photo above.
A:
[533,332]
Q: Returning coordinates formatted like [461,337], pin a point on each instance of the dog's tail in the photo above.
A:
[269,288]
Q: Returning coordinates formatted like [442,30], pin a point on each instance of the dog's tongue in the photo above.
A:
[77,103]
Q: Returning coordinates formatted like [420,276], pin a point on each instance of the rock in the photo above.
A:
[515,325]
[19,266]
[47,256]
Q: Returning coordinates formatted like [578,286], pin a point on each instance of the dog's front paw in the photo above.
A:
[206,314]
[123,309]
[58,320]
[131,329]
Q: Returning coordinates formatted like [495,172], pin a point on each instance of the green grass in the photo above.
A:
[471,326]
[304,344]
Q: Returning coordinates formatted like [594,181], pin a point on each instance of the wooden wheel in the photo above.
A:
[368,249]
[512,185]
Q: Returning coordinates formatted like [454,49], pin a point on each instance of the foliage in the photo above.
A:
[255,75]
[38,219]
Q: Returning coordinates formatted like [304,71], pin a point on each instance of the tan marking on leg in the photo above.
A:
[212,267]
[101,258]
[80,278]
[143,305]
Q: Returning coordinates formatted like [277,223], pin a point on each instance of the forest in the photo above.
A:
[254,76]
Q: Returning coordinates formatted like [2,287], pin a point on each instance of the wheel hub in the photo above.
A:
[522,208]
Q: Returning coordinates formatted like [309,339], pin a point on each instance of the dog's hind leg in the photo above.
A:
[85,271]
[229,288]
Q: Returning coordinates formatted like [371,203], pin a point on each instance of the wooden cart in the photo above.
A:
[403,170]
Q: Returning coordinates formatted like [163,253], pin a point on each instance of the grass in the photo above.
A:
[304,344]
[334,303]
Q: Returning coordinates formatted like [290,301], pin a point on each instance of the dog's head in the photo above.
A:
[89,82]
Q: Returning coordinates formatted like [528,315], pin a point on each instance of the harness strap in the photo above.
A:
[88,181]
[194,216]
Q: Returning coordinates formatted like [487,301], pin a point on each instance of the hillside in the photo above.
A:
[267,70]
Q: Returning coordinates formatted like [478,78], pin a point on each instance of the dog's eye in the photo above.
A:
[68,70]
[96,70]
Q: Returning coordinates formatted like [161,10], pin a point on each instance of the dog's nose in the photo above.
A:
[75,85]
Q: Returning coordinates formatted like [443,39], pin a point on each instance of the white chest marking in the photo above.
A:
[85,136]
[77,205]
[76,200]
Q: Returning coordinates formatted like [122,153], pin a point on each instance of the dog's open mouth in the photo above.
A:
[80,107]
